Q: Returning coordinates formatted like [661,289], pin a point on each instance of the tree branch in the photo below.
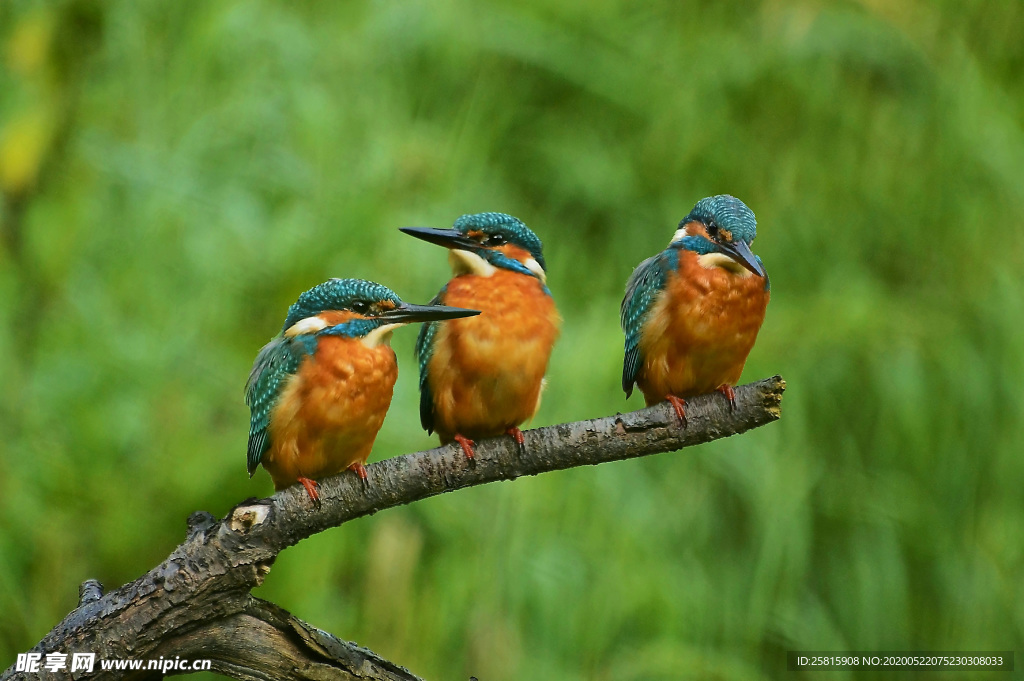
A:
[266,643]
[196,604]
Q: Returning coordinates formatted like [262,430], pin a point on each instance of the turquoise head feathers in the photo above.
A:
[486,236]
[501,228]
[726,219]
[357,295]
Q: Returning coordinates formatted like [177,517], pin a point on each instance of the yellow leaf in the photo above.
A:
[29,44]
[23,143]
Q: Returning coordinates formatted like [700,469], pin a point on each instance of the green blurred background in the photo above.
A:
[174,174]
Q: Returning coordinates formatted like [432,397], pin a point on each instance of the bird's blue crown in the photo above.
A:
[727,214]
[338,294]
[512,229]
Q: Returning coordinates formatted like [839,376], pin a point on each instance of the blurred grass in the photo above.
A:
[174,174]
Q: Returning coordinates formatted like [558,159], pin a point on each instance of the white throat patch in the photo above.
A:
[380,336]
[721,260]
[535,267]
[465,262]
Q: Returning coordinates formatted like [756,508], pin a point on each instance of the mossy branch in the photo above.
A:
[197,603]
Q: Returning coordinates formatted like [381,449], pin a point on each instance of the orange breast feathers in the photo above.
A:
[486,373]
[700,330]
[330,412]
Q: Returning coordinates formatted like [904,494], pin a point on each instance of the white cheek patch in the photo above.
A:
[712,260]
[380,336]
[307,325]
[464,262]
[680,233]
[535,267]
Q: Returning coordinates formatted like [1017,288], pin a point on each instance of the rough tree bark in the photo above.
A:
[197,603]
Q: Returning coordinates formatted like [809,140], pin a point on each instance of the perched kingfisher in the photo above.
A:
[483,377]
[692,312]
[318,392]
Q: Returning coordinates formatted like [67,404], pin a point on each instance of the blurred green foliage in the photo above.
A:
[174,174]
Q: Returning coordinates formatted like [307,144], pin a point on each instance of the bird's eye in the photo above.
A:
[496,240]
[712,230]
[361,306]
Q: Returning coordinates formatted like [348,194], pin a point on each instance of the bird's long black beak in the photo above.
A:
[407,313]
[449,238]
[741,253]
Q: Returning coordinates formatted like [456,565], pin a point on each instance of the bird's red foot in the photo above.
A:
[729,393]
[312,489]
[359,468]
[466,444]
[516,435]
[679,404]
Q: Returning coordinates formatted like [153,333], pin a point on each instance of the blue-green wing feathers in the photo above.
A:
[276,363]
[642,289]
[424,350]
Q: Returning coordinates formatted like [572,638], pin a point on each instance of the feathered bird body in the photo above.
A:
[486,373]
[318,392]
[329,412]
[485,378]
[691,313]
[700,330]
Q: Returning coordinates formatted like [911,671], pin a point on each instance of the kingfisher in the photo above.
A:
[692,312]
[483,377]
[318,391]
